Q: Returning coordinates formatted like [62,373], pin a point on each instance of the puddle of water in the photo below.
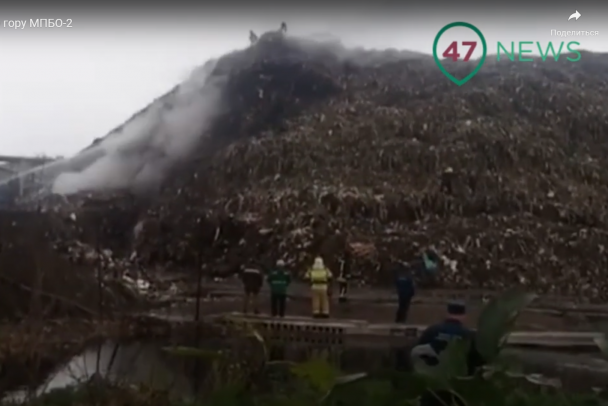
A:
[132,363]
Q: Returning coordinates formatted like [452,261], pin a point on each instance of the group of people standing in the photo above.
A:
[279,278]
[321,280]
[431,343]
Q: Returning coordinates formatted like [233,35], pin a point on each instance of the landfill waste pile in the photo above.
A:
[375,156]
[331,153]
[46,271]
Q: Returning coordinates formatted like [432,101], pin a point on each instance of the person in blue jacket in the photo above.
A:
[434,340]
[404,282]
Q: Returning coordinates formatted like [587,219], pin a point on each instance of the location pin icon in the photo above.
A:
[442,31]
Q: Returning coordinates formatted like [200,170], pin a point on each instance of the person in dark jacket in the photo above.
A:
[278,279]
[252,279]
[435,339]
[404,282]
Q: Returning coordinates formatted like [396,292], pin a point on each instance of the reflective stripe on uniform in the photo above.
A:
[318,276]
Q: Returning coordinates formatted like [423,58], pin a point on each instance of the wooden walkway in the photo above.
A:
[361,332]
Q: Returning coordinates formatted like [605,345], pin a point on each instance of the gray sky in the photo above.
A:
[61,88]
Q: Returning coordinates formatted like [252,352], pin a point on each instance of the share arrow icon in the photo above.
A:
[576,16]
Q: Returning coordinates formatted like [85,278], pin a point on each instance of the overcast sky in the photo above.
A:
[61,88]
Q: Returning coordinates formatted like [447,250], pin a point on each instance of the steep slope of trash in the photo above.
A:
[376,156]
[505,177]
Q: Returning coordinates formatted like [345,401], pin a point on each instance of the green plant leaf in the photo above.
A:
[346,379]
[227,395]
[507,362]
[497,319]
[319,373]
[453,362]
[342,381]
[478,391]
[409,385]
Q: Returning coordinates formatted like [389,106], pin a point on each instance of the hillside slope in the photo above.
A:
[505,175]
[324,150]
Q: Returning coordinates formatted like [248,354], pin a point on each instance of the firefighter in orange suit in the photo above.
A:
[320,277]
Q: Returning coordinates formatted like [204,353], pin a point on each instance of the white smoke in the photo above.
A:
[140,154]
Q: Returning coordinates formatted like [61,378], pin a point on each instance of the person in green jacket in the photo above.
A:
[278,280]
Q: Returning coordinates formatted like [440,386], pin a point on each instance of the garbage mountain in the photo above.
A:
[366,157]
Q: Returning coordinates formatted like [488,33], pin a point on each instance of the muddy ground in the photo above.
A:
[378,305]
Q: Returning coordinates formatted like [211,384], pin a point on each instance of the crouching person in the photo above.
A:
[435,339]
[320,277]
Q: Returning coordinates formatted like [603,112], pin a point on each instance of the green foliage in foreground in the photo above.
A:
[234,379]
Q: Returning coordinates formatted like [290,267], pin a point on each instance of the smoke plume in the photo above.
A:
[138,155]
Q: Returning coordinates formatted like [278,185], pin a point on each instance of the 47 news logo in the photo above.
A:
[510,52]
[451,51]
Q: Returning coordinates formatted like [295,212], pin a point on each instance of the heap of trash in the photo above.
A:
[338,153]
[46,270]
[376,156]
